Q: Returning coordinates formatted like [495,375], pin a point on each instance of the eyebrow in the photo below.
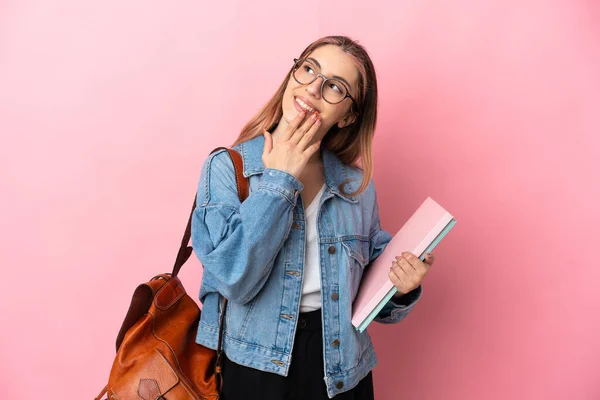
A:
[334,76]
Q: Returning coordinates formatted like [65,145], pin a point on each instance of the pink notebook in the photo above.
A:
[419,235]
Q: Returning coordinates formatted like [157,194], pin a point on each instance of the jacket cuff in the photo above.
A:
[407,300]
[396,310]
[281,182]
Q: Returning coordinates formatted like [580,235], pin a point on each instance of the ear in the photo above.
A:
[349,119]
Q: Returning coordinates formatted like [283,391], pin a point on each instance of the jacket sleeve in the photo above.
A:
[395,310]
[237,242]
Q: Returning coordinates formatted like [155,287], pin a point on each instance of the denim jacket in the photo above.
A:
[253,255]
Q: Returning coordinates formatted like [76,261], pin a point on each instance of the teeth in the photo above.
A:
[304,105]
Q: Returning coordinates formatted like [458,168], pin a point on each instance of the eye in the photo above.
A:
[335,87]
[308,69]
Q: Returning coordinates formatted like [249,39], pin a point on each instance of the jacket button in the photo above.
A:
[339,385]
[331,250]
[335,296]
[336,343]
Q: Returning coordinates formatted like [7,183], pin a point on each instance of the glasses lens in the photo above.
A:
[306,72]
[334,91]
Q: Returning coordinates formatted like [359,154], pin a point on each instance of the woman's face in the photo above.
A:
[330,61]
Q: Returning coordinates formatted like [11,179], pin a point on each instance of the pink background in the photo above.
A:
[108,109]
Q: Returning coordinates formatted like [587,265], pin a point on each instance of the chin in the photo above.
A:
[288,110]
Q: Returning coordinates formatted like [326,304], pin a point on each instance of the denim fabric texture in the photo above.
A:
[253,254]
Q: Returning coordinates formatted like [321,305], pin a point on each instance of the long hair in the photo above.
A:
[352,144]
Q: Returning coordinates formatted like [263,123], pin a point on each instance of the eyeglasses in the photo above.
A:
[333,90]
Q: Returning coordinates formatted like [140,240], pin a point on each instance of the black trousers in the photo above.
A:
[305,378]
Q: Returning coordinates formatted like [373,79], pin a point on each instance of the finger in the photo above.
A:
[401,271]
[291,128]
[414,273]
[312,149]
[411,258]
[303,128]
[308,137]
[268,145]
[403,262]
[399,277]
[416,262]
[415,268]
[411,277]
[429,259]
[396,281]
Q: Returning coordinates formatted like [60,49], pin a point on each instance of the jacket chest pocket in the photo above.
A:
[357,253]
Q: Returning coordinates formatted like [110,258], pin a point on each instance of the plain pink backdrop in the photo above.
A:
[108,110]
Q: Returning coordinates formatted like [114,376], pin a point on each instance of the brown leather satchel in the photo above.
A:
[157,355]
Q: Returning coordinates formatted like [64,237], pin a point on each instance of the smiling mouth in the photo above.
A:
[303,105]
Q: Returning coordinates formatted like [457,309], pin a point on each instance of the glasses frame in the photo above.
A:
[325,79]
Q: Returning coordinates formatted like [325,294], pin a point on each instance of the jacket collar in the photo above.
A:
[336,172]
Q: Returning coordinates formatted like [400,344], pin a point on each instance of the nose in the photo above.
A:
[314,89]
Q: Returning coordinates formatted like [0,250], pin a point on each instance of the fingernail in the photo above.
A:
[318,122]
[428,255]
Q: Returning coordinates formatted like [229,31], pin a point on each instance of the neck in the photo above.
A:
[279,129]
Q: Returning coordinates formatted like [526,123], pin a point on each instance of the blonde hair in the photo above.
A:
[351,144]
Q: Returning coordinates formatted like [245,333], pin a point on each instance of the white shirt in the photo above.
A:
[311,285]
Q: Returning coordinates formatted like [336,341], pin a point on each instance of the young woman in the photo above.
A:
[290,257]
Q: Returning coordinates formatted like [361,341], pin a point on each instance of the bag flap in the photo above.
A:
[151,378]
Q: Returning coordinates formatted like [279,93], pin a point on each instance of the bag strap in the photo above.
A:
[102,393]
[243,189]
